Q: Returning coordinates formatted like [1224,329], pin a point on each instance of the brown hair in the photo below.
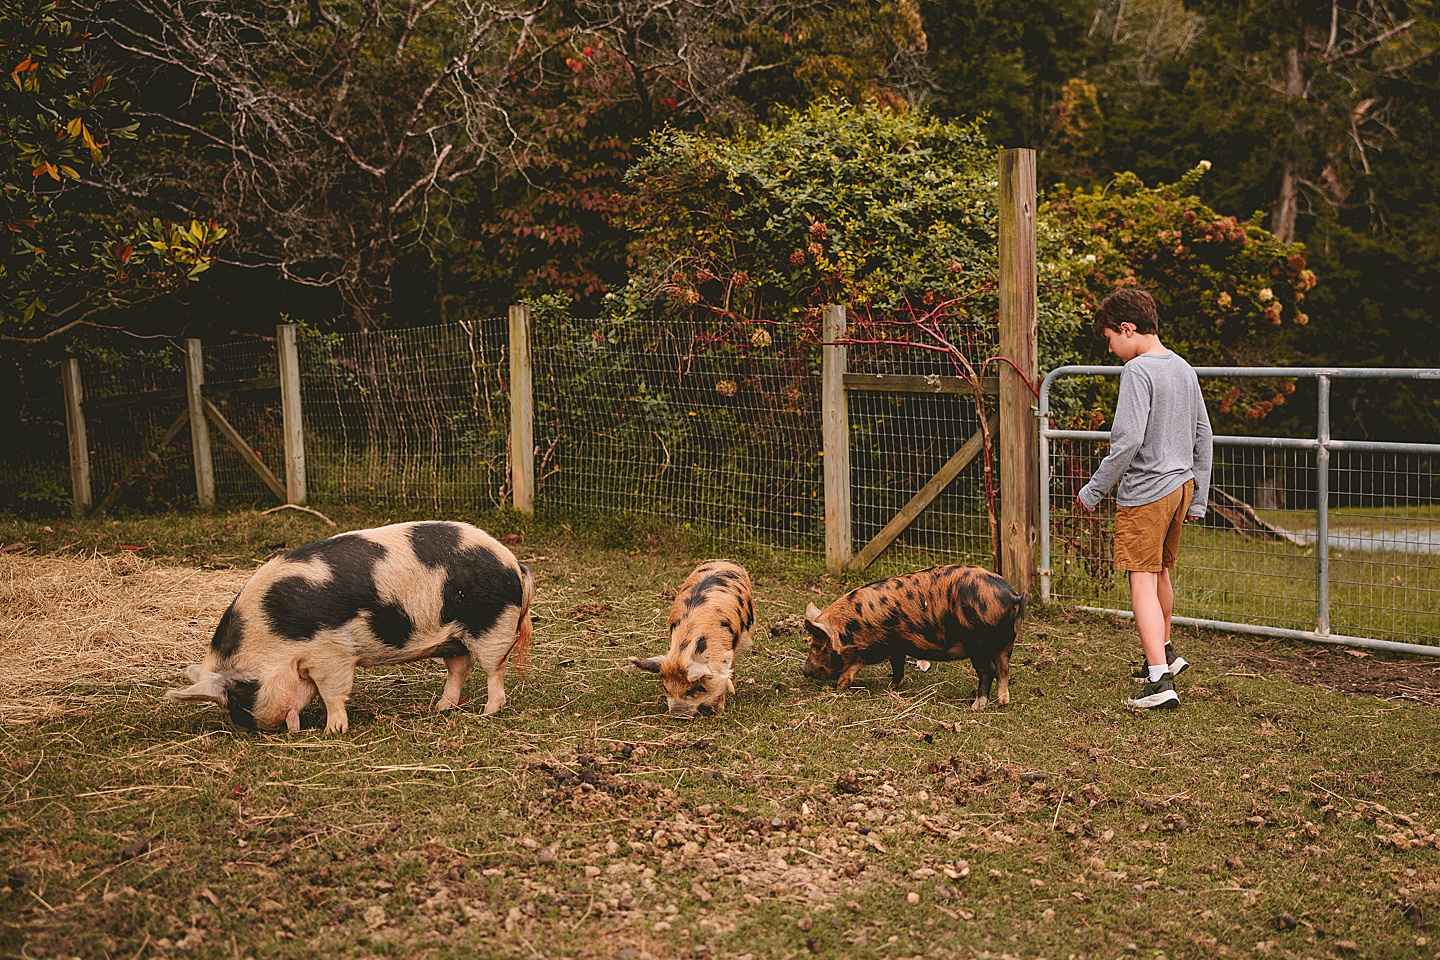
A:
[1126,305]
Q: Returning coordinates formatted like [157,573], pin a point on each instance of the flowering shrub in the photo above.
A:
[1228,291]
[742,241]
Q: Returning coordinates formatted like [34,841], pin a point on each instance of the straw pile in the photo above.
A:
[74,625]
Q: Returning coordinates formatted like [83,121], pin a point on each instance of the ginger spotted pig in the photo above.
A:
[390,595]
[711,622]
[943,613]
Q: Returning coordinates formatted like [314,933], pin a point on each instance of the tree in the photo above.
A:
[330,137]
[1005,62]
[379,149]
[1313,81]
[66,260]
[1292,98]
[613,72]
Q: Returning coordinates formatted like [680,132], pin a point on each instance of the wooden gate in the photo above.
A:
[1013,427]
[199,413]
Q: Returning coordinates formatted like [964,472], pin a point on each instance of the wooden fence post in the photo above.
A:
[1019,329]
[75,431]
[199,428]
[522,412]
[835,435]
[293,425]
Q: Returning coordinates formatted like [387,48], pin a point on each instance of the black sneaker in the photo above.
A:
[1177,664]
[1156,695]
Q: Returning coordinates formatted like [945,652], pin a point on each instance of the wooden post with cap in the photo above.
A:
[292,421]
[522,412]
[75,432]
[1019,332]
[199,427]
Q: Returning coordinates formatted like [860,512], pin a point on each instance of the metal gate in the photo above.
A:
[1315,538]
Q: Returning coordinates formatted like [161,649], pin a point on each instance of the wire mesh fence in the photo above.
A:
[133,395]
[417,417]
[900,440]
[1384,536]
[242,380]
[726,439]
[34,474]
[1313,536]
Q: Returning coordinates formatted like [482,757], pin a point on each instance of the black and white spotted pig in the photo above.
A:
[711,622]
[393,594]
[943,613]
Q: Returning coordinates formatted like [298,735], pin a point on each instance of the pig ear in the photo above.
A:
[651,665]
[812,612]
[697,671]
[208,688]
[822,633]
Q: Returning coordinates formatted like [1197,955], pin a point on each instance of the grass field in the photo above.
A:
[1383,594]
[1266,817]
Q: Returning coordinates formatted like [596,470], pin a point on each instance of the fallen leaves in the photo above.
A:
[786,625]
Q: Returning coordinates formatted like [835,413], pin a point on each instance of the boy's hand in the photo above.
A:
[1190,519]
[1080,506]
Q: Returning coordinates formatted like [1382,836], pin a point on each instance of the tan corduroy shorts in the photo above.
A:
[1147,537]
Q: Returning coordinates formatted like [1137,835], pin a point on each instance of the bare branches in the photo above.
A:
[333,141]
[84,321]
[692,55]
[1365,46]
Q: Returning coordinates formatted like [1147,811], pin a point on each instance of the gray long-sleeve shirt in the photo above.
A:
[1161,436]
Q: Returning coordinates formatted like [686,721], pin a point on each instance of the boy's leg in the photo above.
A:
[1166,594]
[1139,547]
[1150,617]
[1169,552]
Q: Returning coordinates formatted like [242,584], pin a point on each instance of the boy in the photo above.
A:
[1160,453]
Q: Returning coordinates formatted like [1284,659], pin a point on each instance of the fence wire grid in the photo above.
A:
[726,440]
[1256,559]
[417,417]
[898,441]
[231,370]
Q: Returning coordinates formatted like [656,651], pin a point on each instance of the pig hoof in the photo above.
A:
[1003,700]
[342,725]
[980,703]
[493,707]
[446,704]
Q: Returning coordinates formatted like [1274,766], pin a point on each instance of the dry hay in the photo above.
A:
[72,621]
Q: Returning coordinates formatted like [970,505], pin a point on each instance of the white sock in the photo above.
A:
[1157,672]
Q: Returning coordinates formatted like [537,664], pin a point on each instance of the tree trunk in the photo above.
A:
[1282,217]
[1287,203]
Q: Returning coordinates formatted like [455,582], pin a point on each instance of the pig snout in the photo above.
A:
[681,709]
[821,663]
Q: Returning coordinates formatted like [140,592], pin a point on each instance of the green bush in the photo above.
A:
[743,240]
[1229,293]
